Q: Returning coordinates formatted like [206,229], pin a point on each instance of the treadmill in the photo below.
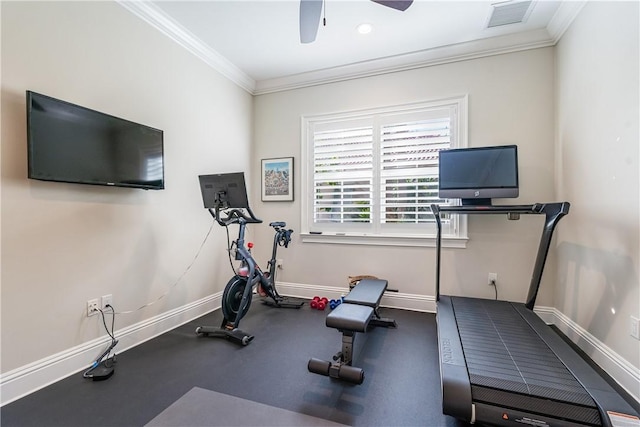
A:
[500,364]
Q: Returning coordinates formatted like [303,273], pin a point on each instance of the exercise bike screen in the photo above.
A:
[224,191]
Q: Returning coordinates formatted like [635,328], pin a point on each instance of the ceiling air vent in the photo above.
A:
[512,12]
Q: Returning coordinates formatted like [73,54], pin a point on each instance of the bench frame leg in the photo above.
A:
[340,368]
[345,356]
[377,320]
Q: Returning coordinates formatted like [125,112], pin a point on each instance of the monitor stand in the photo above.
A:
[476,202]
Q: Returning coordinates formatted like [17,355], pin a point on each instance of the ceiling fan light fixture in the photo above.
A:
[364,28]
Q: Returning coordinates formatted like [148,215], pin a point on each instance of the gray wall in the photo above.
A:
[597,157]
[510,102]
[63,244]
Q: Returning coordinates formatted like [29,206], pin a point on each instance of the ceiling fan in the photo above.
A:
[310,11]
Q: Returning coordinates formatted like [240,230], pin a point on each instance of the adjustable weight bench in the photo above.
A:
[369,292]
[357,313]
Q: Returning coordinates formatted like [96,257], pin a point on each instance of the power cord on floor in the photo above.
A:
[103,367]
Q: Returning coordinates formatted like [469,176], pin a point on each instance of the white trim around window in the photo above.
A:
[369,176]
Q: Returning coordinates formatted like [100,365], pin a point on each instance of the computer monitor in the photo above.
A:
[224,191]
[477,175]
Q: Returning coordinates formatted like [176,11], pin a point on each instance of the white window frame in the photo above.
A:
[454,226]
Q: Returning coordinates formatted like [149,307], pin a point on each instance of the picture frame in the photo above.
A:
[277,179]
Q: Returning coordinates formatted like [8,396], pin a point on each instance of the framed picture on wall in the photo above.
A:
[277,179]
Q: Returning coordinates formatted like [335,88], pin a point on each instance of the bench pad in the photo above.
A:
[350,317]
[368,292]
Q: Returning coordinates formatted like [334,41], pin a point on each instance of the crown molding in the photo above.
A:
[474,49]
[154,16]
[442,55]
[564,16]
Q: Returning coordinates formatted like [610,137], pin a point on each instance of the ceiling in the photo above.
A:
[256,43]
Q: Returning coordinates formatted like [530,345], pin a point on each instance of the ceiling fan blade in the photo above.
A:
[310,11]
[395,4]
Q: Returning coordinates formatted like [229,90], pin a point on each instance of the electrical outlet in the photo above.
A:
[106,300]
[493,279]
[280,263]
[92,307]
[635,328]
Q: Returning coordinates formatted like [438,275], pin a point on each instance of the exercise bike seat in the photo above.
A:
[276,224]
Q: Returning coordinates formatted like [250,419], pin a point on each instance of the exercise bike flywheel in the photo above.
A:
[232,297]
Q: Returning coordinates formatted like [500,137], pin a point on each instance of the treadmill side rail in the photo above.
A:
[454,377]
[553,214]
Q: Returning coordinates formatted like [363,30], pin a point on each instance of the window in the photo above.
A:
[372,175]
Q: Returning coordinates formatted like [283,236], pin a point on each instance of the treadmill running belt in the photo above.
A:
[510,365]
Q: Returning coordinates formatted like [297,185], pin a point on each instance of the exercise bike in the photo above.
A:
[237,295]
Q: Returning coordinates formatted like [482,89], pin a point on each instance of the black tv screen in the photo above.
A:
[476,175]
[70,143]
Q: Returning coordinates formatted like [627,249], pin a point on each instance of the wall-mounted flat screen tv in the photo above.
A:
[70,143]
[477,175]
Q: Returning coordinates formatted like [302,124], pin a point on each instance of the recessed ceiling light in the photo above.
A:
[365,28]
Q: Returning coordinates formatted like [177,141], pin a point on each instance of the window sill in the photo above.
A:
[388,240]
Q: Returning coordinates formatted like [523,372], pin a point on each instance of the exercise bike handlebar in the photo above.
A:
[283,237]
[234,216]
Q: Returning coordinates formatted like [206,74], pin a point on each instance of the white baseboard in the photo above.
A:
[398,300]
[34,376]
[623,372]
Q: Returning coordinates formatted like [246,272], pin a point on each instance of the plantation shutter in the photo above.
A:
[343,175]
[409,168]
[374,173]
